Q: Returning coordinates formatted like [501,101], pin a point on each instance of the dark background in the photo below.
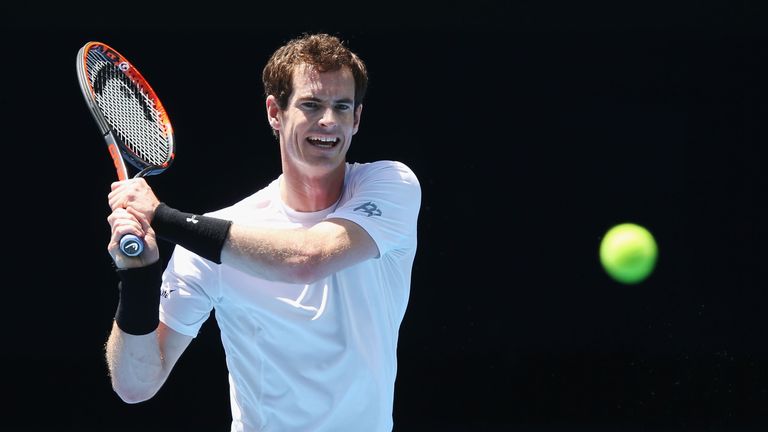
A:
[533,128]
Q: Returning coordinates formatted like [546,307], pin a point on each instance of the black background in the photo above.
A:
[533,128]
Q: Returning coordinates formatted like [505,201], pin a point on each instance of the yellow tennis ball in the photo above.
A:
[628,253]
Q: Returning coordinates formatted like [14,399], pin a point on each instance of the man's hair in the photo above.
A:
[324,52]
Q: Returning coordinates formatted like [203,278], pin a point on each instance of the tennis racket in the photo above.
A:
[130,116]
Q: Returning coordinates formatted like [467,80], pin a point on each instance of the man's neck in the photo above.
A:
[311,193]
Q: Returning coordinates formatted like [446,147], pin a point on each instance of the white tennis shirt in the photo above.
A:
[316,357]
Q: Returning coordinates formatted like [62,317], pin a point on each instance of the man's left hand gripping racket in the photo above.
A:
[129,115]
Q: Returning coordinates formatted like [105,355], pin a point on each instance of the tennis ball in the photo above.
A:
[628,253]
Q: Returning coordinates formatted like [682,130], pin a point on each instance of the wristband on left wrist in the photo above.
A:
[203,235]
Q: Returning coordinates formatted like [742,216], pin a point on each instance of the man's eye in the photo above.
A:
[309,105]
[343,107]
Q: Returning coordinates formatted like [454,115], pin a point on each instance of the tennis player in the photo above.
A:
[309,277]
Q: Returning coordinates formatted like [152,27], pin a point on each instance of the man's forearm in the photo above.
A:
[301,255]
[135,365]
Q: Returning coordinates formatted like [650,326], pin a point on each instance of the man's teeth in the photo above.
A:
[323,141]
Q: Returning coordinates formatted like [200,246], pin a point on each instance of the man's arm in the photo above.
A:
[139,362]
[139,365]
[301,255]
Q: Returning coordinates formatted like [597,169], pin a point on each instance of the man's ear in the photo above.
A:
[358,113]
[272,112]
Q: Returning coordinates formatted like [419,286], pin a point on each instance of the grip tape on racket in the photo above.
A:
[131,245]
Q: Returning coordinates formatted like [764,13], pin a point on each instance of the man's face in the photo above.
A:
[317,125]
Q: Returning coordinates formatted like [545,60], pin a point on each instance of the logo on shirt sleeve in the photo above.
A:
[370,208]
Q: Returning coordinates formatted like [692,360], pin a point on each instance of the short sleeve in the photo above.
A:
[187,292]
[384,198]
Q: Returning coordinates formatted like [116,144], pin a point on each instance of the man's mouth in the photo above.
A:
[323,142]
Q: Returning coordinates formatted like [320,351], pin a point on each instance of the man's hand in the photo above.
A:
[134,193]
[129,221]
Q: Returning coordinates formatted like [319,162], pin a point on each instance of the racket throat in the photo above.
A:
[117,158]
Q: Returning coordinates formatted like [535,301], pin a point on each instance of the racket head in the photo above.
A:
[126,108]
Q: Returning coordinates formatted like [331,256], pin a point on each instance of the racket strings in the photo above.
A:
[131,112]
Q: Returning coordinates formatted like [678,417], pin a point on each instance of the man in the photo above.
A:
[309,277]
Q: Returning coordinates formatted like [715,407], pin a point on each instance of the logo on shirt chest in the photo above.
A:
[370,208]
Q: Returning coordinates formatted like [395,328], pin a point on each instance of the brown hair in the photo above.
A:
[322,51]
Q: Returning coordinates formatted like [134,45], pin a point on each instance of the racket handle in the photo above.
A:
[131,245]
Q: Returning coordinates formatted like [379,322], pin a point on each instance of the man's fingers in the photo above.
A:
[124,222]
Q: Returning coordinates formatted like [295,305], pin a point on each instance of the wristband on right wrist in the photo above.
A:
[138,307]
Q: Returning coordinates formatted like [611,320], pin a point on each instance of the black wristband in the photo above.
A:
[139,301]
[203,235]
